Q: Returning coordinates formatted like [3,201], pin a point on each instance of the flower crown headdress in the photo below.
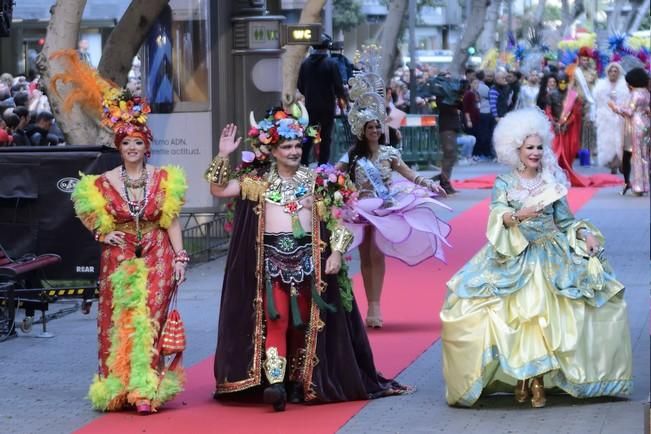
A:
[367,92]
[118,109]
[280,125]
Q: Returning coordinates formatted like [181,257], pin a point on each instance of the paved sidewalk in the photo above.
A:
[43,382]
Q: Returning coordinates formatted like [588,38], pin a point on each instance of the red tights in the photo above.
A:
[279,331]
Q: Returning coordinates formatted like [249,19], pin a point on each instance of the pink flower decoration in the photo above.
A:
[332,178]
[248,156]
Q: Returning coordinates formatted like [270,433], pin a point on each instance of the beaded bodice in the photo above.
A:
[383,163]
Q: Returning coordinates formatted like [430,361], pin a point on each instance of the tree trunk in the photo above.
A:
[569,17]
[615,23]
[538,15]
[638,17]
[390,33]
[62,33]
[487,37]
[294,54]
[127,37]
[473,28]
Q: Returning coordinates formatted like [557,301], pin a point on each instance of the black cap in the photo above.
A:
[337,45]
[324,42]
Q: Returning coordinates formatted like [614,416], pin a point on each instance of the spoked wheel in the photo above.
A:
[6,322]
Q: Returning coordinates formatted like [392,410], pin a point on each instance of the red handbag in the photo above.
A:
[173,335]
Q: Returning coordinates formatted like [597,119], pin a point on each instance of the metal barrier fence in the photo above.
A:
[420,144]
[207,240]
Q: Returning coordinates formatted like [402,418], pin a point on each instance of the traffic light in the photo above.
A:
[471,51]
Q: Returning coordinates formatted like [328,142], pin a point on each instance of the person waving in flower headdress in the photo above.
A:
[288,321]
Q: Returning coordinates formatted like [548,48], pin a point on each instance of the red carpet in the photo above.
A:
[487,181]
[411,301]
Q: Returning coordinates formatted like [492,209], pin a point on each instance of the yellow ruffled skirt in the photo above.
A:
[491,341]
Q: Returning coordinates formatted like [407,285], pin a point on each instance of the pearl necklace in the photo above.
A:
[530,184]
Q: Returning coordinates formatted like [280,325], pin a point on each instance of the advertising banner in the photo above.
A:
[185,140]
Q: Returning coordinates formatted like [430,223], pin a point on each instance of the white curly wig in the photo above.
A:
[511,132]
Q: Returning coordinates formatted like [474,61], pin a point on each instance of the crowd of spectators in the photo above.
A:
[485,97]
[25,115]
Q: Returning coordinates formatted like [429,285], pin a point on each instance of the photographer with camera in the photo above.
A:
[448,92]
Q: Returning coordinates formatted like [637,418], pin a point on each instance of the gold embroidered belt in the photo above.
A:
[130,227]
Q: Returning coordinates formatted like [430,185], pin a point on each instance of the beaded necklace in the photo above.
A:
[136,207]
[288,194]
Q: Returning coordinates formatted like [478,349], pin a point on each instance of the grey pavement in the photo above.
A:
[43,382]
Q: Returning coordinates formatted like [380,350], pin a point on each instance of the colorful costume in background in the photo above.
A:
[282,319]
[134,291]
[402,213]
[586,77]
[568,139]
[136,281]
[531,303]
[636,140]
[610,126]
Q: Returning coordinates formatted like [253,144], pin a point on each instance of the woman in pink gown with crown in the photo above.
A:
[391,218]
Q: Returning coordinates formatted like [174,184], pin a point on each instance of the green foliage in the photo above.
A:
[552,13]
[346,14]
[646,23]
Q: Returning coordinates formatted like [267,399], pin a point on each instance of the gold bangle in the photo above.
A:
[219,171]
[340,239]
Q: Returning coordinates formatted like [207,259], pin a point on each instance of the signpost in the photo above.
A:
[300,34]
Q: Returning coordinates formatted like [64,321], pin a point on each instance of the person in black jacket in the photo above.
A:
[20,135]
[320,82]
[448,92]
[38,133]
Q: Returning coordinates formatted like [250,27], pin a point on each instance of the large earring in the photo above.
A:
[521,166]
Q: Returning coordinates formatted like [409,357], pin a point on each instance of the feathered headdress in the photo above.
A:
[116,108]
[367,92]
[279,125]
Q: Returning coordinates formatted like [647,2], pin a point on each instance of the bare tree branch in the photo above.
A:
[294,54]
[538,15]
[637,18]
[471,32]
[570,17]
[487,37]
[127,37]
[616,17]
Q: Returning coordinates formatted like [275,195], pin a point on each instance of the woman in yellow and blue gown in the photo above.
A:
[538,306]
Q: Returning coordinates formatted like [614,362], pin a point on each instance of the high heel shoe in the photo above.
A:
[143,407]
[374,316]
[538,399]
[521,391]
[626,188]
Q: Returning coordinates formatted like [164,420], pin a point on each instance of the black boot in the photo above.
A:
[295,392]
[445,183]
[275,395]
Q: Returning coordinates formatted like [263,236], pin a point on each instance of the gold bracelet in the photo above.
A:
[219,171]
[341,239]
